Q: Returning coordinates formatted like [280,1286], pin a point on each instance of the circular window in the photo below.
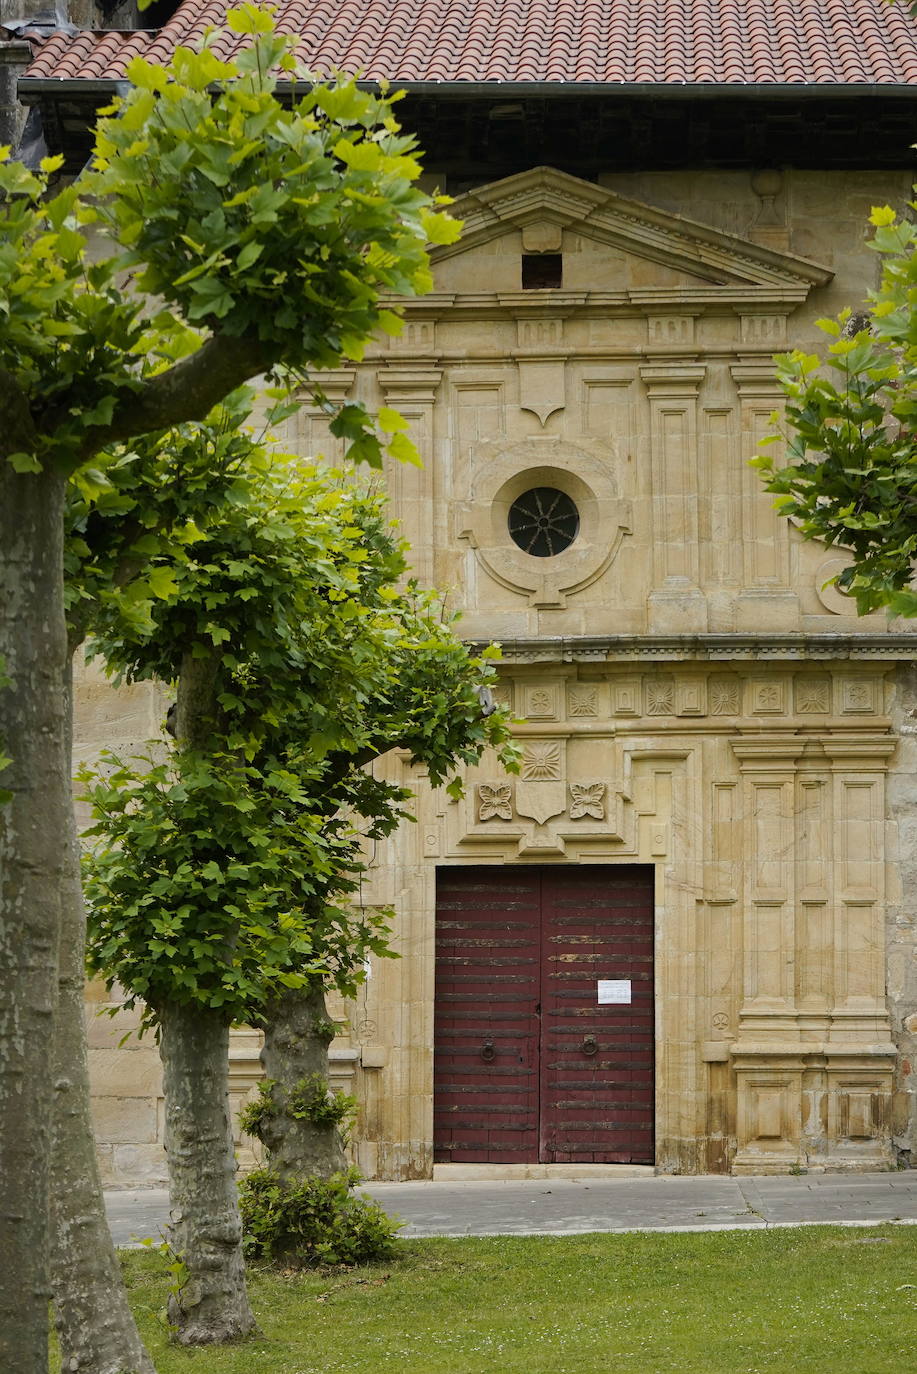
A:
[543,521]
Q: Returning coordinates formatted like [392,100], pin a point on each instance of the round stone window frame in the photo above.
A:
[582,470]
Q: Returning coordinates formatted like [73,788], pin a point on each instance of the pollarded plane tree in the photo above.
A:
[268,234]
[136,508]
[219,887]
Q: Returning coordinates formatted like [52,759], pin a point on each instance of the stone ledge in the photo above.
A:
[496,1173]
[713,647]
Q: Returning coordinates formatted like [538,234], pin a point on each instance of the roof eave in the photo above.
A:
[33,88]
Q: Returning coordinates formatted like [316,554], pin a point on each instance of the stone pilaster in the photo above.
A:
[676,602]
[412,392]
[767,601]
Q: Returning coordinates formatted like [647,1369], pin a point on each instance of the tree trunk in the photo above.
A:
[33,828]
[94,1322]
[296,1039]
[205,1230]
[196,706]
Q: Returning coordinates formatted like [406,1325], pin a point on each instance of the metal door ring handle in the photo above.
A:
[488,1051]
[590,1045]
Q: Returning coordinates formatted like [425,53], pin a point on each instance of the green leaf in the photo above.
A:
[391,421]
[249,254]
[24,462]
[162,582]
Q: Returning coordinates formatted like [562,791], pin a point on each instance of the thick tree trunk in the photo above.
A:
[296,1040]
[33,829]
[95,1325]
[205,1230]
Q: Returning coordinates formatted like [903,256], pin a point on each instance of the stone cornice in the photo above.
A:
[694,300]
[890,648]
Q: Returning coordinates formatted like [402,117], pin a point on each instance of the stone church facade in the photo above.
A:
[685,935]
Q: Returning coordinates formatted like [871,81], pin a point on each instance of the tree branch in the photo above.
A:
[187,391]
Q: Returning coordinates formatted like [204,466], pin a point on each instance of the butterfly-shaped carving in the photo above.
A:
[587,799]
[495,801]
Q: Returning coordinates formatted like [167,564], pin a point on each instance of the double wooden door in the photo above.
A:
[543,1038]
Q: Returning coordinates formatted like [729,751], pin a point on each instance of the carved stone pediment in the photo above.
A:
[700,263]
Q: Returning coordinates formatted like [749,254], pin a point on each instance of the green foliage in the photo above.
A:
[224,874]
[190,891]
[283,590]
[323,1028]
[259,1110]
[313,1223]
[71,339]
[135,513]
[281,223]
[310,1099]
[852,476]
[267,233]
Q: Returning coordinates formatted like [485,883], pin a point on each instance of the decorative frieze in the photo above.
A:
[626,696]
[540,702]
[691,696]
[546,332]
[858,696]
[768,697]
[670,331]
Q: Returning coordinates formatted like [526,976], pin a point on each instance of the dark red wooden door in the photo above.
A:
[532,1062]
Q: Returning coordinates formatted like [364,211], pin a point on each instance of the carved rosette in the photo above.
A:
[541,761]
[495,801]
[587,799]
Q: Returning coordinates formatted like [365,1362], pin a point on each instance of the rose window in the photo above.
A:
[543,521]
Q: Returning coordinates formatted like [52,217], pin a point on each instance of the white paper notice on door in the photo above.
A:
[614,990]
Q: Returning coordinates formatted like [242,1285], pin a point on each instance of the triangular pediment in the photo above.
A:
[543,198]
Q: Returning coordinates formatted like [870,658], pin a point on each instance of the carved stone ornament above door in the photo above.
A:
[583,469]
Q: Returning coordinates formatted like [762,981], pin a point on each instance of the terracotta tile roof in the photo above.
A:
[661,42]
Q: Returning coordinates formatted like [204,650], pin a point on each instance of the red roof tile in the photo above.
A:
[661,42]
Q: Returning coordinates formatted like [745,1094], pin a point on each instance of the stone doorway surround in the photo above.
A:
[754,781]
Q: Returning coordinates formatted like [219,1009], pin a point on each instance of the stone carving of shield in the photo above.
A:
[539,800]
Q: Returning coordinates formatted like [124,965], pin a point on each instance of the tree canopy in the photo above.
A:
[235,852]
[852,438]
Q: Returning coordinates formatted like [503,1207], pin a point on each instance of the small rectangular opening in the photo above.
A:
[542,271]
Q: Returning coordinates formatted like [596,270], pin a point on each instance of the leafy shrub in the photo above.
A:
[311,1099]
[314,1222]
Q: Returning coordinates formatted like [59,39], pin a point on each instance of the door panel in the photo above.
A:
[596,1060]
[528,1064]
[487,989]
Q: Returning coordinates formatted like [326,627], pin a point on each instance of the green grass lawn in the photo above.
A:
[811,1301]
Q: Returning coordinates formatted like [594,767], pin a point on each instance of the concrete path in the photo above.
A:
[571,1207]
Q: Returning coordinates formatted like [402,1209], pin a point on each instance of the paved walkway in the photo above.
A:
[568,1207]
